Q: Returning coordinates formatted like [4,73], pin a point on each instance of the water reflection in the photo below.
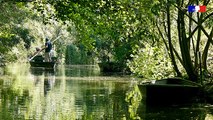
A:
[79,93]
[176,113]
[81,71]
[49,82]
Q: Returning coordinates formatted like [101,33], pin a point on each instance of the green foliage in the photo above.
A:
[22,29]
[78,55]
[11,32]
[116,24]
[188,35]
[112,29]
[5,42]
[151,62]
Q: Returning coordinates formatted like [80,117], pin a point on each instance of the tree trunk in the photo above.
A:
[205,52]
[184,46]
[170,42]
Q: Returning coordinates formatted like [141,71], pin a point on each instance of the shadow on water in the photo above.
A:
[139,110]
[192,112]
[80,93]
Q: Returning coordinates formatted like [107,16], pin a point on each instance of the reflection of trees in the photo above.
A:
[49,81]
[81,70]
[120,106]
[138,109]
[23,96]
[13,102]
[133,97]
[69,99]
[101,99]
[171,113]
[96,96]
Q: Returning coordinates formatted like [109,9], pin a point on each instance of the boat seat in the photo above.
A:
[38,58]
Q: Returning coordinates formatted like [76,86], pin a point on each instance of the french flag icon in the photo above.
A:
[193,8]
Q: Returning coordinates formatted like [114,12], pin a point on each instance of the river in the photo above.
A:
[81,92]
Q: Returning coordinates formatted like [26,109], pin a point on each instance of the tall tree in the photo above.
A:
[124,23]
[198,23]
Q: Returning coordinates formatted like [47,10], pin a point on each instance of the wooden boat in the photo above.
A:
[171,91]
[50,65]
[38,61]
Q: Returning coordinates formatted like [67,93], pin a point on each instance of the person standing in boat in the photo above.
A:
[48,47]
[53,54]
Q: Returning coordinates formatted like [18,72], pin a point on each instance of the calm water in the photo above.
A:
[80,93]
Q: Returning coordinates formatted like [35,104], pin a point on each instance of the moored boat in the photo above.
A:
[171,91]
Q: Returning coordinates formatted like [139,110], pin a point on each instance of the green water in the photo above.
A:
[80,93]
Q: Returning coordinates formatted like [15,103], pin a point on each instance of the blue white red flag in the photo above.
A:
[193,8]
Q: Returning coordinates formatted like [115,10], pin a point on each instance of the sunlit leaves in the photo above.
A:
[151,62]
[120,22]
[11,17]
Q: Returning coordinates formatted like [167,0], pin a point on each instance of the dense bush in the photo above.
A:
[151,62]
[78,55]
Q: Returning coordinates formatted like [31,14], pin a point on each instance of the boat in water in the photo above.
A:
[170,91]
[38,61]
[50,65]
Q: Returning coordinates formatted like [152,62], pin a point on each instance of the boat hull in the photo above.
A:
[169,92]
[46,65]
